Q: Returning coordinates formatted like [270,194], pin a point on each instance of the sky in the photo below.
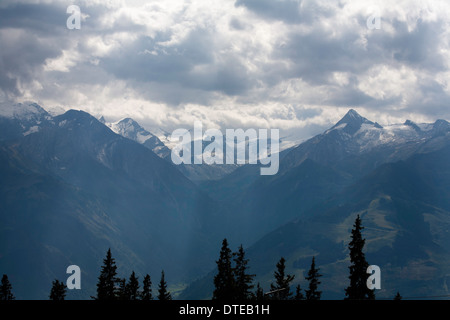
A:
[295,65]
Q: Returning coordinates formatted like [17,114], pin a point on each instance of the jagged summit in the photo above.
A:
[77,117]
[130,122]
[24,111]
[355,135]
[412,125]
[352,115]
[441,127]
[352,122]
[130,129]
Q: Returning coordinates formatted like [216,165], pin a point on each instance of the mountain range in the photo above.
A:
[73,186]
[395,177]
[130,129]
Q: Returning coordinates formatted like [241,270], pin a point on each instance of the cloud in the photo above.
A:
[290,11]
[285,10]
[244,63]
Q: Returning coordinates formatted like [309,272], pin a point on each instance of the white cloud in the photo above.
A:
[383,82]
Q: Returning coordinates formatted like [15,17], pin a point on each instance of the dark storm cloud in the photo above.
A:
[348,96]
[435,102]
[49,20]
[281,10]
[316,54]
[148,60]
[418,48]
[23,52]
[305,113]
[30,34]
[289,11]
[39,18]
[23,55]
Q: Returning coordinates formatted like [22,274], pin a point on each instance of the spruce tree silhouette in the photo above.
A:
[313,277]
[358,290]
[224,282]
[58,291]
[259,294]
[298,293]
[132,287]
[163,294]
[107,281]
[243,281]
[121,289]
[281,288]
[398,296]
[6,289]
[147,289]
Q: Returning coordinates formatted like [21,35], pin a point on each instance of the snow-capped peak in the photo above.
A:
[352,123]
[352,117]
[412,125]
[130,129]
[26,111]
[362,134]
[102,119]
[352,114]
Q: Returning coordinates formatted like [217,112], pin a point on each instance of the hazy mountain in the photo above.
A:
[396,177]
[47,225]
[320,167]
[22,119]
[405,209]
[357,137]
[130,129]
[74,188]
[71,188]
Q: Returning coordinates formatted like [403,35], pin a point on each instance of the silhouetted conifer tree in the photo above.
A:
[58,291]
[313,277]
[282,282]
[259,294]
[132,287]
[298,293]
[107,281]
[398,296]
[121,289]
[224,281]
[357,290]
[163,294]
[147,289]
[243,281]
[6,289]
